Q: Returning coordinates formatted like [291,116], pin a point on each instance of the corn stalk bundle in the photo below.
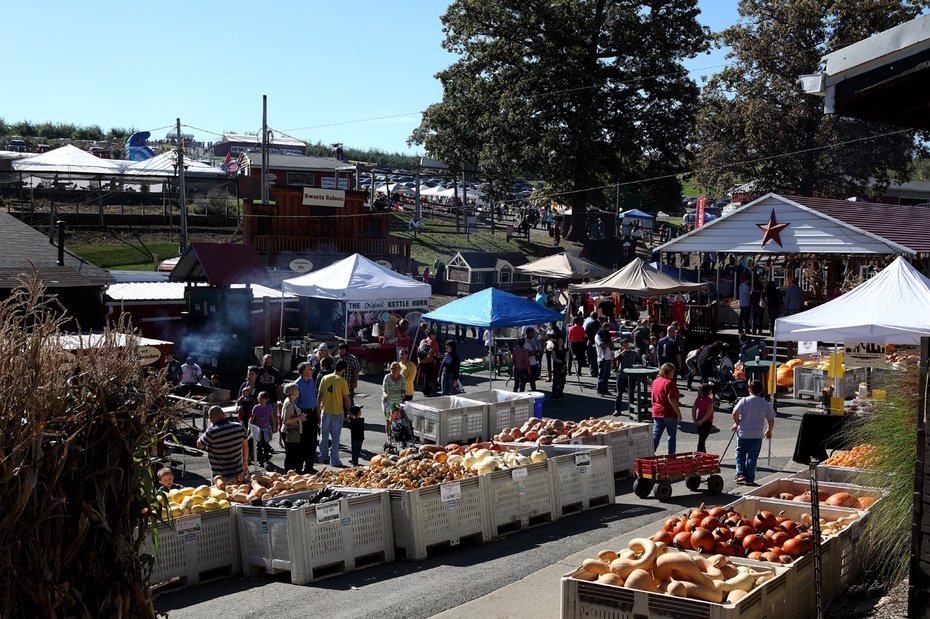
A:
[76,481]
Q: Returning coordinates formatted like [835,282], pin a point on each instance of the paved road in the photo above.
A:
[514,576]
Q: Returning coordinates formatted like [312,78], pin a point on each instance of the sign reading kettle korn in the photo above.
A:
[400,305]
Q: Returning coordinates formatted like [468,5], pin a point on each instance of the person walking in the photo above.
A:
[295,424]
[745,305]
[521,365]
[750,416]
[669,349]
[702,414]
[576,340]
[532,347]
[357,430]
[226,445]
[591,327]
[353,368]
[605,357]
[561,362]
[409,370]
[773,304]
[794,299]
[333,401]
[393,388]
[666,412]
[427,360]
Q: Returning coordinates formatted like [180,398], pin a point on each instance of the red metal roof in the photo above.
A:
[220,264]
[904,225]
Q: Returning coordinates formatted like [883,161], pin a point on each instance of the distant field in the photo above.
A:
[125,257]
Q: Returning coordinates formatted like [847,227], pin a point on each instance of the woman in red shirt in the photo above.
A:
[665,411]
[576,340]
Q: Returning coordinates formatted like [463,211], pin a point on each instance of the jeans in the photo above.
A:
[757,319]
[603,375]
[330,428]
[558,382]
[520,377]
[703,431]
[774,313]
[660,424]
[592,359]
[579,353]
[356,451]
[621,385]
[747,456]
[744,316]
[447,384]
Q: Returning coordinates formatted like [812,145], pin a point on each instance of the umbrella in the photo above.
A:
[638,278]
[563,266]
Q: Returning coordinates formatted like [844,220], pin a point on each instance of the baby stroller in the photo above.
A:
[727,388]
[401,430]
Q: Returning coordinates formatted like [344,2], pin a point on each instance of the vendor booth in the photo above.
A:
[563,266]
[368,293]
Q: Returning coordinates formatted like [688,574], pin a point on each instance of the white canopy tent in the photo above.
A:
[65,160]
[890,308]
[363,286]
[394,188]
[165,164]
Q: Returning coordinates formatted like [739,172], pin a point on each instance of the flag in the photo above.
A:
[228,159]
[699,213]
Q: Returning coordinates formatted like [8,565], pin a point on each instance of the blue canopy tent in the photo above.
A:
[636,214]
[493,309]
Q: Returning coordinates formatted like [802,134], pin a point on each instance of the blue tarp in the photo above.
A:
[637,214]
[493,309]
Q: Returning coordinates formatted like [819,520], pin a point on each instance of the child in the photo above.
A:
[166,479]
[264,421]
[357,428]
[702,413]
[244,406]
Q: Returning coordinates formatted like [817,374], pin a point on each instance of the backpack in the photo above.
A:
[424,351]
[551,233]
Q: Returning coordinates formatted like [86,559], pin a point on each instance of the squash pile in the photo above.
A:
[837,499]
[265,487]
[650,566]
[763,537]
[863,456]
[555,431]
[186,501]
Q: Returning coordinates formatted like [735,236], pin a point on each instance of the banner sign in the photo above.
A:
[699,212]
[395,304]
[324,197]
[328,182]
[863,355]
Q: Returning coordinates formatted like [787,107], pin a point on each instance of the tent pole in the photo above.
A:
[774,369]
[281,326]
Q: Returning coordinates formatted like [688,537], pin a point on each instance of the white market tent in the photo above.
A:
[165,164]
[65,160]
[564,266]
[363,286]
[394,188]
[890,308]
[639,279]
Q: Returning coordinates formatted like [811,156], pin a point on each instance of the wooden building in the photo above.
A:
[472,271]
[293,172]
[295,228]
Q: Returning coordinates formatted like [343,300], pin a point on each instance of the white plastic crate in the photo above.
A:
[803,568]
[521,497]
[314,541]
[864,478]
[583,599]
[633,440]
[506,409]
[583,476]
[810,382]
[440,514]
[795,486]
[199,543]
[448,419]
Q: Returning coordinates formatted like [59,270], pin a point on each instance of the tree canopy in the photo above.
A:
[757,125]
[587,93]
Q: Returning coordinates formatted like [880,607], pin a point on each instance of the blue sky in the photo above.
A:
[353,72]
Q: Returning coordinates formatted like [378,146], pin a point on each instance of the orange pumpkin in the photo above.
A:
[866,502]
[842,499]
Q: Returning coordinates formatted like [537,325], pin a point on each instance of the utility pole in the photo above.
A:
[182,193]
[264,149]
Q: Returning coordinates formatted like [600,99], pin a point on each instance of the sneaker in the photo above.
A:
[740,479]
[617,414]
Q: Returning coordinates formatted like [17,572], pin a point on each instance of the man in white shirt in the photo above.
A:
[745,305]
[605,356]
[532,345]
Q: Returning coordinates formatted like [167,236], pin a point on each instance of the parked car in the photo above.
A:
[17,146]
[97,151]
[43,148]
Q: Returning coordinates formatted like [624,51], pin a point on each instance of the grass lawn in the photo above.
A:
[126,257]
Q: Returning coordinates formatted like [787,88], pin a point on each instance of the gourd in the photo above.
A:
[538,456]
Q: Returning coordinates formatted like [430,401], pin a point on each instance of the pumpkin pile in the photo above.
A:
[265,487]
[863,456]
[764,537]
[555,431]
[650,566]
[837,499]
[407,472]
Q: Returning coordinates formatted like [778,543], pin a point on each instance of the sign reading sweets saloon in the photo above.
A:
[324,197]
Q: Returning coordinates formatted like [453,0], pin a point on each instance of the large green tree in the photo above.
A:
[587,93]
[756,123]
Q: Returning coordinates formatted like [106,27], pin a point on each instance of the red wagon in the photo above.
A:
[658,471]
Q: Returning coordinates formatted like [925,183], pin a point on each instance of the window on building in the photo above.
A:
[300,179]
[505,276]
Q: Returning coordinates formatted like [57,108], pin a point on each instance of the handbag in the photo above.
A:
[292,435]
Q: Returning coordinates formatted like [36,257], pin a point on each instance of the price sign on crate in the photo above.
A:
[519,473]
[327,513]
[583,459]
[450,491]
[187,524]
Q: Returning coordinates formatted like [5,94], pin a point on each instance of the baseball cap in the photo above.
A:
[323,346]
[539,287]
[189,360]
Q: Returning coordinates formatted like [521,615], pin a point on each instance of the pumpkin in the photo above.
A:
[866,502]
[842,499]
[702,540]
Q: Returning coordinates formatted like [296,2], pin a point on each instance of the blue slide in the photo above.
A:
[136,150]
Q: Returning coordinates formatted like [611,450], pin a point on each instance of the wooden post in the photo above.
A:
[918,594]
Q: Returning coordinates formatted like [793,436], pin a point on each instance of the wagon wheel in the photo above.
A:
[663,491]
[693,483]
[642,487]
[715,484]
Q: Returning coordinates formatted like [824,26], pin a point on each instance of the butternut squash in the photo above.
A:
[702,592]
[681,566]
[641,580]
[596,566]
[610,579]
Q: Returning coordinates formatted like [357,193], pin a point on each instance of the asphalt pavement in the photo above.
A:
[514,576]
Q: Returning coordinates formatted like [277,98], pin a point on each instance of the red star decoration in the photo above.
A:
[772,230]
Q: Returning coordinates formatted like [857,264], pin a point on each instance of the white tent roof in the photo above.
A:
[358,279]
[890,308]
[564,266]
[640,279]
[394,188]
[67,159]
[164,165]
